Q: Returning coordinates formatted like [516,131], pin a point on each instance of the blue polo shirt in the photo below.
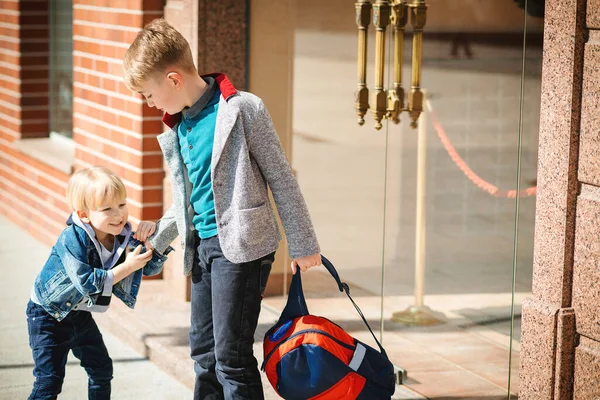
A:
[196,133]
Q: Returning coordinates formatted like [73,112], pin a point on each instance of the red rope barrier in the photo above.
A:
[469,173]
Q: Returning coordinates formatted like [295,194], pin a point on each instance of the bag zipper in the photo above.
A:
[346,345]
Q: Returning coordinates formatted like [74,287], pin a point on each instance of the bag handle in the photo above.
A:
[296,303]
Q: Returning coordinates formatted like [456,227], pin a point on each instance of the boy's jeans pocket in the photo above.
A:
[265,270]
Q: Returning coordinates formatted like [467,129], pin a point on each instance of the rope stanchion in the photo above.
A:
[419,314]
[469,173]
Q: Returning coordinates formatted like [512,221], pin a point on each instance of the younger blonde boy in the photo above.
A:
[96,255]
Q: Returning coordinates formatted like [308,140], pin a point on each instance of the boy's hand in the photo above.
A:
[306,262]
[145,230]
[135,259]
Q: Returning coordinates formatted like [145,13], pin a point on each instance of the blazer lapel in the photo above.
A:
[169,143]
[226,118]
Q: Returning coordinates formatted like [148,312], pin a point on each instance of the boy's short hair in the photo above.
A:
[157,47]
[89,188]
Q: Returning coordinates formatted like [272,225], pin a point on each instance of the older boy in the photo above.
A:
[223,153]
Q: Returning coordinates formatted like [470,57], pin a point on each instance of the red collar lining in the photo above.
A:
[225,86]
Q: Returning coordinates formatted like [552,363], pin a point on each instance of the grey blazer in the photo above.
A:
[247,158]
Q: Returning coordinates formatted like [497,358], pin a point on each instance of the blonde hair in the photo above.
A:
[157,47]
[89,188]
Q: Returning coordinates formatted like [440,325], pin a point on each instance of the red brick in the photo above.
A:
[146,213]
[149,18]
[33,19]
[10,72]
[10,32]
[34,33]
[155,5]
[152,213]
[153,161]
[9,19]
[9,5]
[27,6]
[9,137]
[34,74]
[46,230]
[108,17]
[29,60]
[9,112]
[6,45]
[10,59]
[27,115]
[102,66]
[152,196]
[34,87]
[28,47]
[153,127]
[153,178]
[84,62]
[35,188]
[35,195]
[34,128]
[128,4]
[133,195]
[110,34]
[9,98]
[125,105]
[11,125]
[9,85]
[127,123]
[90,95]
[18,217]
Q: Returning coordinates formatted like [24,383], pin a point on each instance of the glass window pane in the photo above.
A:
[61,67]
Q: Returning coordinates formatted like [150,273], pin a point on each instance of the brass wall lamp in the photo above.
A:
[390,103]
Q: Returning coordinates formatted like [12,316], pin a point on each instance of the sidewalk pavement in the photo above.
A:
[148,345]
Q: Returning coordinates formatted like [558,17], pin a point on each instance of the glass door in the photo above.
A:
[425,219]
[340,165]
[451,295]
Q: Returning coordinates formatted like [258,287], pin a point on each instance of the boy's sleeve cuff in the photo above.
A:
[108,284]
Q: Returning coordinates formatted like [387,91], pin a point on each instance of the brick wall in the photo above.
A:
[111,125]
[30,191]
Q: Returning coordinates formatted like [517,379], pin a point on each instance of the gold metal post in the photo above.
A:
[419,314]
[396,93]
[418,11]
[363,18]
[381,19]
[390,103]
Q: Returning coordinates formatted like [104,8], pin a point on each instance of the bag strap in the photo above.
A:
[296,303]
[346,289]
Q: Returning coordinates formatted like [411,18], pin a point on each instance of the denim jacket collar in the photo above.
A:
[122,238]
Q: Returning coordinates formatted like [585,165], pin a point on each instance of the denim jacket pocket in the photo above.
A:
[57,285]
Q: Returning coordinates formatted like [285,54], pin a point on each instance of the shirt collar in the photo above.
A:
[199,105]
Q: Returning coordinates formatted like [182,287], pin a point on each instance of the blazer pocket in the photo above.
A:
[255,224]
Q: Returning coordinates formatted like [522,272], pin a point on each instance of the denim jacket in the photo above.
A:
[74,272]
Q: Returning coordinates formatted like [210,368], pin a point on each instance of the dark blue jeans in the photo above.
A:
[225,306]
[51,342]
